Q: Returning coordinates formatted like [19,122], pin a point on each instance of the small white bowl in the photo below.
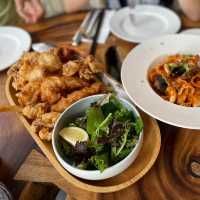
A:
[75,110]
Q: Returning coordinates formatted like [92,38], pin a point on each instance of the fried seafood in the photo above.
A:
[44,125]
[52,87]
[48,82]
[34,111]
[46,120]
[45,134]
[49,62]
[29,94]
[64,102]
[71,68]
[85,68]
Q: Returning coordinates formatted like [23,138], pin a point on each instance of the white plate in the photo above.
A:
[191,31]
[134,79]
[150,21]
[13,42]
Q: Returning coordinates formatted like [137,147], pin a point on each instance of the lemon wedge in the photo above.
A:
[73,135]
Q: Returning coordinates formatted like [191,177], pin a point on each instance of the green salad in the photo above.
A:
[113,132]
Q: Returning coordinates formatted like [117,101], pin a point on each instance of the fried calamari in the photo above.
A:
[48,82]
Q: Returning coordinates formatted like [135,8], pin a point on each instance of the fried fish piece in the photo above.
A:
[93,64]
[52,87]
[29,94]
[68,53]
[46,120]
[63,103]
[44,125]
[89,68]
[50,62]
[73,83]
[34,111]
[71,68]
[28,67]
[45,134]
[86,73]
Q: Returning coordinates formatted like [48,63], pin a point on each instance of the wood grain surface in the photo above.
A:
[175,175]
[142,164]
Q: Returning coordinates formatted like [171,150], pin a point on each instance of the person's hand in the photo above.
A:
[30,10]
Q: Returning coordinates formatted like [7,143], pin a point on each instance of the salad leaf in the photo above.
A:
[67,148]
[138,125]
[108,108]
[128,127]
[81,122]
[94,118]
[100,161]
[116,102]
[123,115]
[124,152]
[82,165]
[81,148]
[131,141]
[103,128]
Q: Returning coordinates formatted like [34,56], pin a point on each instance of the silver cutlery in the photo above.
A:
[83,28]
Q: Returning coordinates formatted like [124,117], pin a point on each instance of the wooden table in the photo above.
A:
[176,173]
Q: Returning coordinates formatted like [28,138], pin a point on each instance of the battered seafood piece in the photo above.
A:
[36,111]
[46,120]
[52,87]
[71,68]
[49,62]
[76,95]
[45,134]
[29,94]
[94,65]
[73,83]
[28,67]
[86,68]
[66,53]
[46,83]
[44,125]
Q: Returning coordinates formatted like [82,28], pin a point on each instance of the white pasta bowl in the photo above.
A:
[134,75]
[75,110]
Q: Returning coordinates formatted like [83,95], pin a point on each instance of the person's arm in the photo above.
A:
[191,8]
[73,6]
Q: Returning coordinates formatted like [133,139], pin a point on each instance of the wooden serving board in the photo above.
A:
[145,160]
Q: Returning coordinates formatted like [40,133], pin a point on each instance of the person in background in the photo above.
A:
[8,14]
[191,9]
[32,11]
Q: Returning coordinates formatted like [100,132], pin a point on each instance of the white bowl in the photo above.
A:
[75,110]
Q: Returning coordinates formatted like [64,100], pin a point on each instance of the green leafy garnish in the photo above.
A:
[113,132]
[138,125]
[94,118]
[100,161]
[103,128]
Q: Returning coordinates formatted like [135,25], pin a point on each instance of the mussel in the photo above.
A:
[160,84]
